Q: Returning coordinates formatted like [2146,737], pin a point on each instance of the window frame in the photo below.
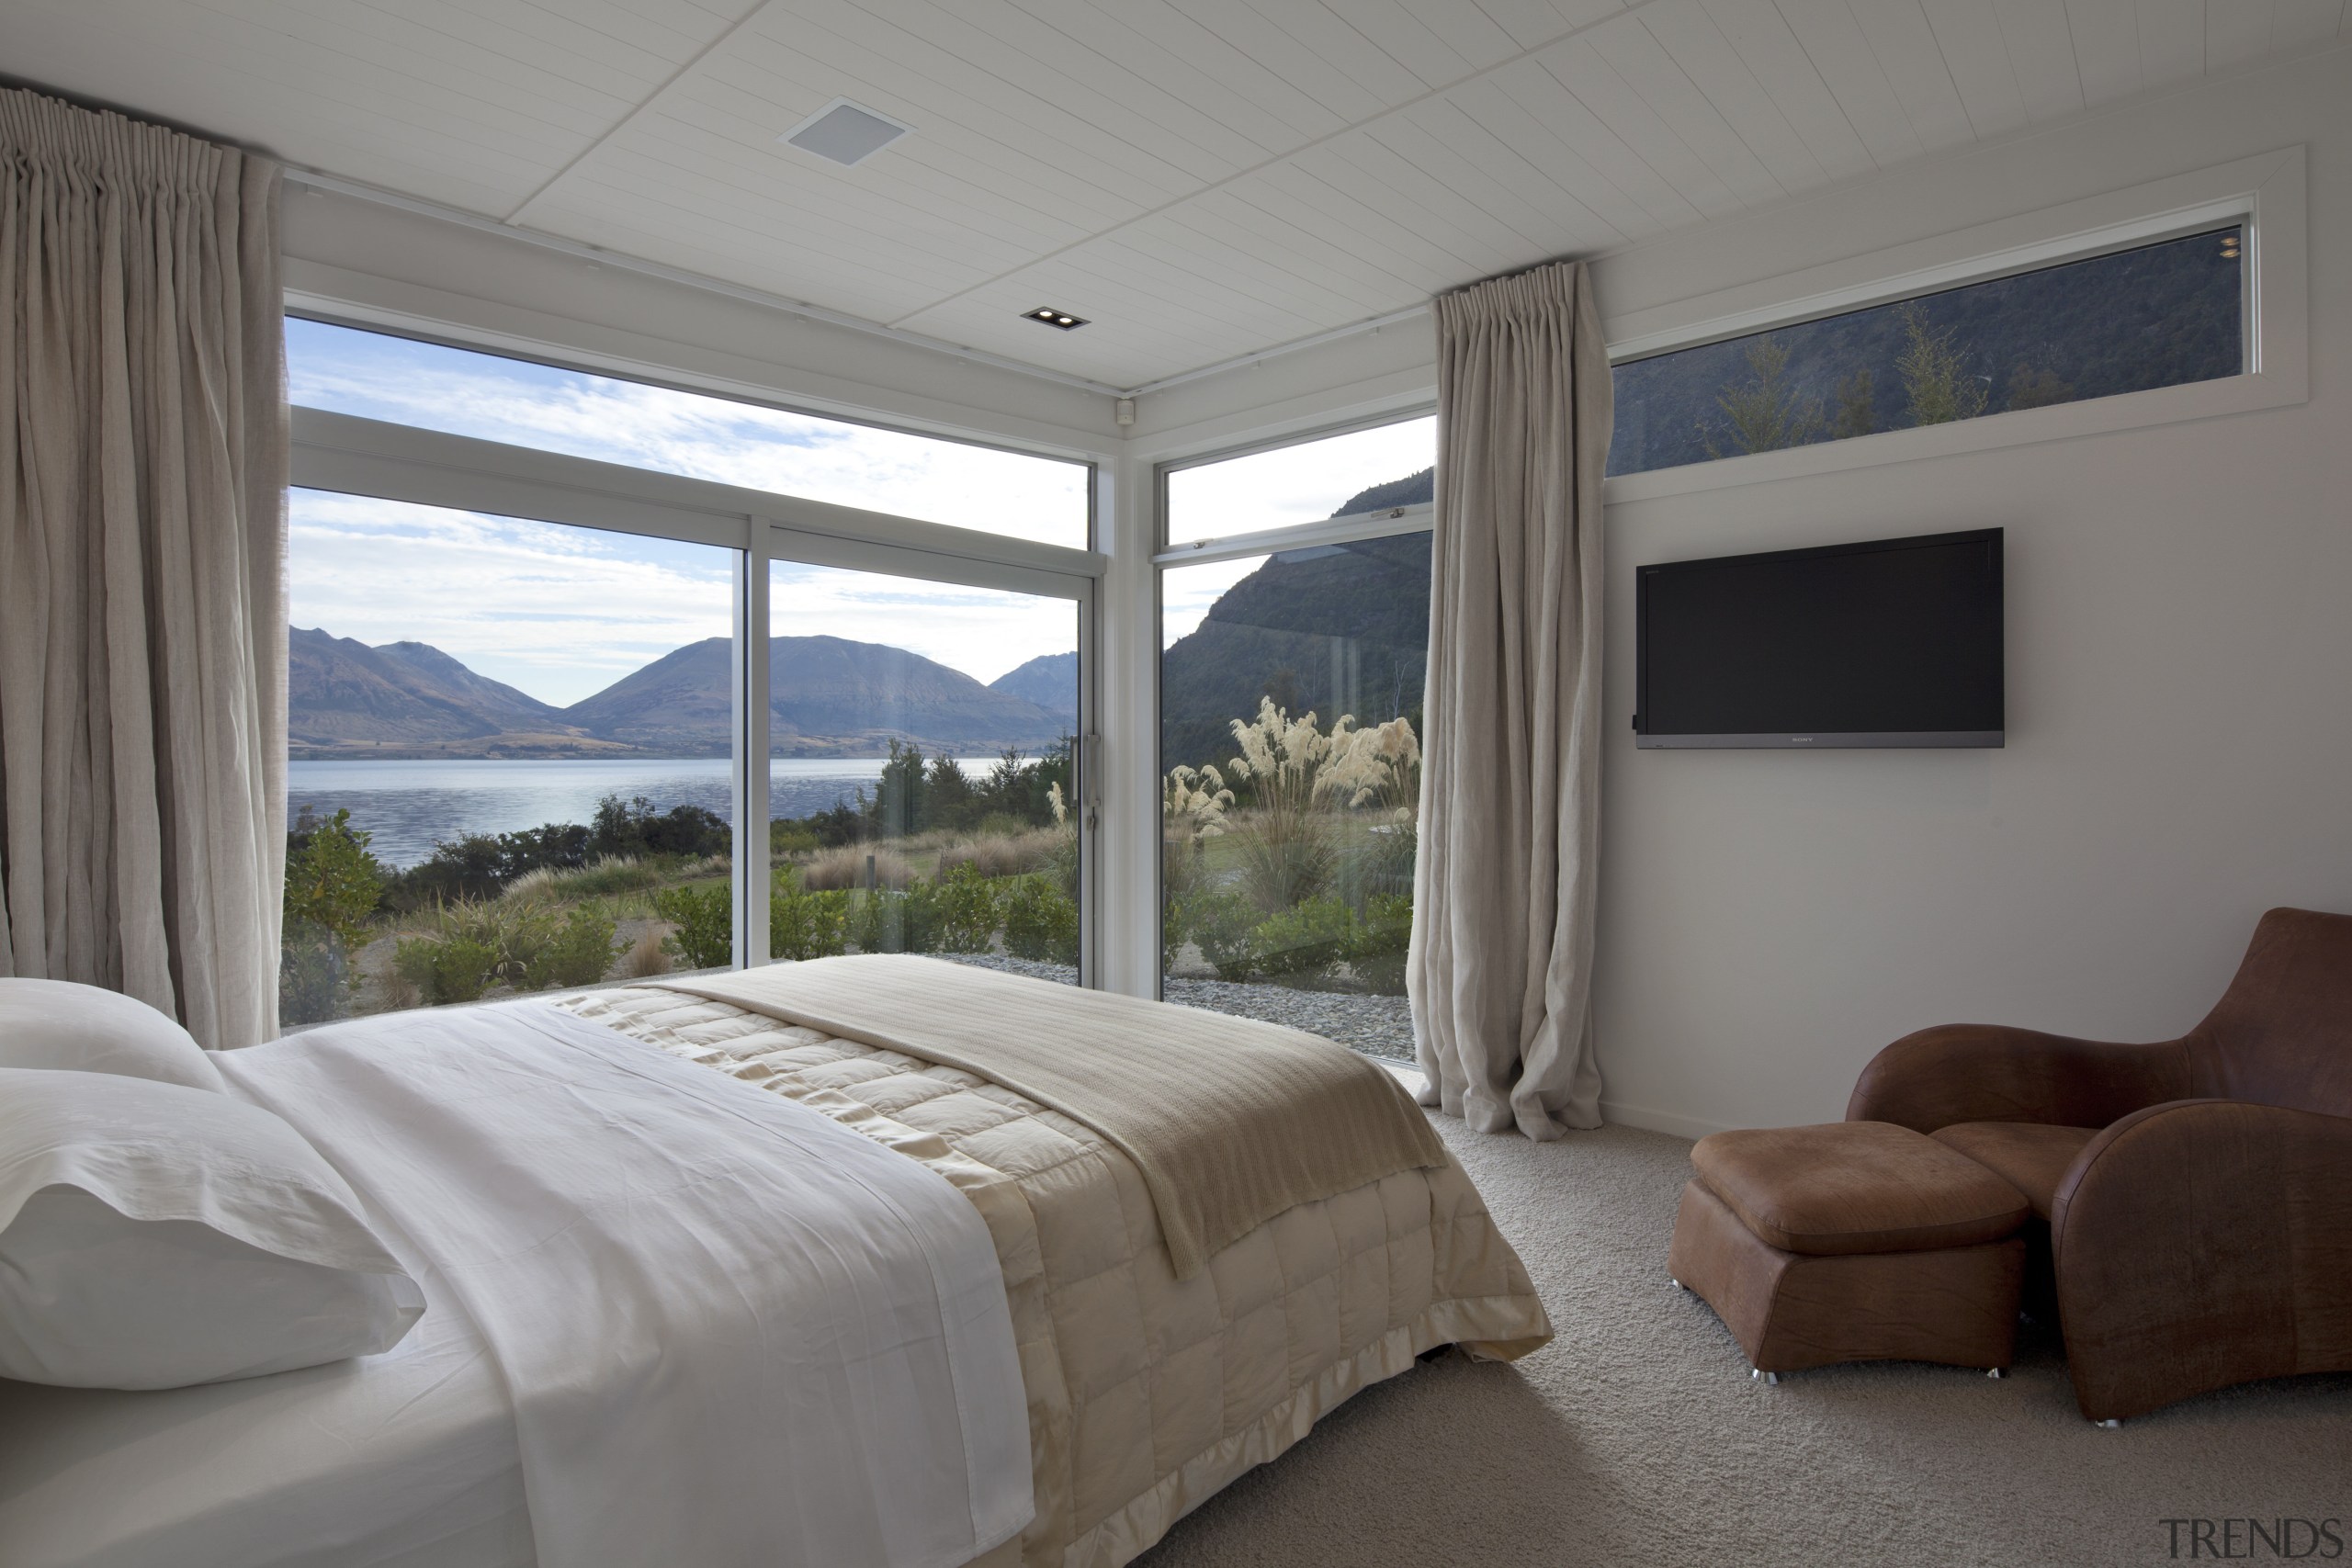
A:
[1378,523]
[1385,523]
[2265,193]
[349,454]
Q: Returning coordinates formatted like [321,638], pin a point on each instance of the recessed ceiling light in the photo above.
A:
[845,132]
[1053,318]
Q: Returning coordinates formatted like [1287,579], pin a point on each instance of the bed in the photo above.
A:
[1143,1392]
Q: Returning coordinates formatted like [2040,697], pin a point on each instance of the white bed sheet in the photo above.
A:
[403,1458]
[417,1457]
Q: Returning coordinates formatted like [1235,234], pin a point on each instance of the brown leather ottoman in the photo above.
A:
[1851,1241]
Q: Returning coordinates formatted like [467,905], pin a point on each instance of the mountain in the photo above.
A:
[2154,316]
[1051,680]
[1331,630]
[432,675]
[344,696]
[828,696]
[831,698]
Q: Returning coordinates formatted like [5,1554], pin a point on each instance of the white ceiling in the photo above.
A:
[1201,178]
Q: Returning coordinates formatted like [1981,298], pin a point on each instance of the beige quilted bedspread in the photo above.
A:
[1147,1394]
[1231,1120]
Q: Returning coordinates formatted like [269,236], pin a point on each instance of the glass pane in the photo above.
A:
[465,392]
[1336,477]
[1291,715]
[922,795]
[2156,316]
[508,764]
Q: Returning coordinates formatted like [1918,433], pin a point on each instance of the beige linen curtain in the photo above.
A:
[1500,970]
[143,624]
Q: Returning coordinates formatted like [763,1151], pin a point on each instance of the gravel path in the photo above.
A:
[1377,1026]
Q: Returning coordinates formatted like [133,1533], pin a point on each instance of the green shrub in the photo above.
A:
[478,944]
[705,919]
[1223,924]
[1376,948]
[803,924]
[787,837]
[313,973]
[446,969]
[1381,865]
[332,885]
[577,954]
[1305,939]
[1040,924]
[885,921]
[968,910]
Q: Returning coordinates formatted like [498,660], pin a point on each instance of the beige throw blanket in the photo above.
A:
[1230,1121]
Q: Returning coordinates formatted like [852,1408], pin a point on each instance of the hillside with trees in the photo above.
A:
[2156,316]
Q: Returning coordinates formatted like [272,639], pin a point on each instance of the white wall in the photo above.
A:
[2179,751]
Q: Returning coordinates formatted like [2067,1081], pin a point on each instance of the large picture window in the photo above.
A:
[1291,683]
[509,754]
[551,727]
[2152,315]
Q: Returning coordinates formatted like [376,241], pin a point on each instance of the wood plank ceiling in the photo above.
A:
[1201,178]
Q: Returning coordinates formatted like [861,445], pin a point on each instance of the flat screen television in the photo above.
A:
[1895,642]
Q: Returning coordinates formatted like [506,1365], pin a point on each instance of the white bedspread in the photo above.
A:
[734,1331]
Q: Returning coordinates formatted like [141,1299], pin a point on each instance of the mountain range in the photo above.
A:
[1333,627]
[831,696]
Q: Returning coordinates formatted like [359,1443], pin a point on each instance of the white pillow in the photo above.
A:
[56,1023]
[152,1237]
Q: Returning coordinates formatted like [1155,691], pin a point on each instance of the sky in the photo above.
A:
[1280,489]
[1289,485]
[562,612]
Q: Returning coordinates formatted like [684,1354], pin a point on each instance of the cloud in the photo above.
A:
[559,612]
[494,398]
[1293,484]
[562,612]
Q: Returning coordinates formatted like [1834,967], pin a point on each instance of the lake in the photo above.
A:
[409,805]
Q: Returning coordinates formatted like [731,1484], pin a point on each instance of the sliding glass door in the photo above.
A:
[923,790]
[1294,599]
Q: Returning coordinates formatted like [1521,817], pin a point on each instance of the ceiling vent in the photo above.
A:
[845,132]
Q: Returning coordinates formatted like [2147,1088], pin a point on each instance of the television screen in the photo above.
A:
[1896,642]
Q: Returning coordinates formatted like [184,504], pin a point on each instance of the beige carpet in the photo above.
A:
[1636,1437]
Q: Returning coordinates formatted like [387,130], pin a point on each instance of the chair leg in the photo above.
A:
[1772,1380]
[1992,1371]
[2108,1424]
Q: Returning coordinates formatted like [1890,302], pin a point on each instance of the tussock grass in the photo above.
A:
[646,956]
[1011,854]
[843,867]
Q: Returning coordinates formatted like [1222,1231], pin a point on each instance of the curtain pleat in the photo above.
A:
[1501,969]
[142,541]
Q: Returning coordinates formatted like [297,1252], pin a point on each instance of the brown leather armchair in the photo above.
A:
[2197,1193]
